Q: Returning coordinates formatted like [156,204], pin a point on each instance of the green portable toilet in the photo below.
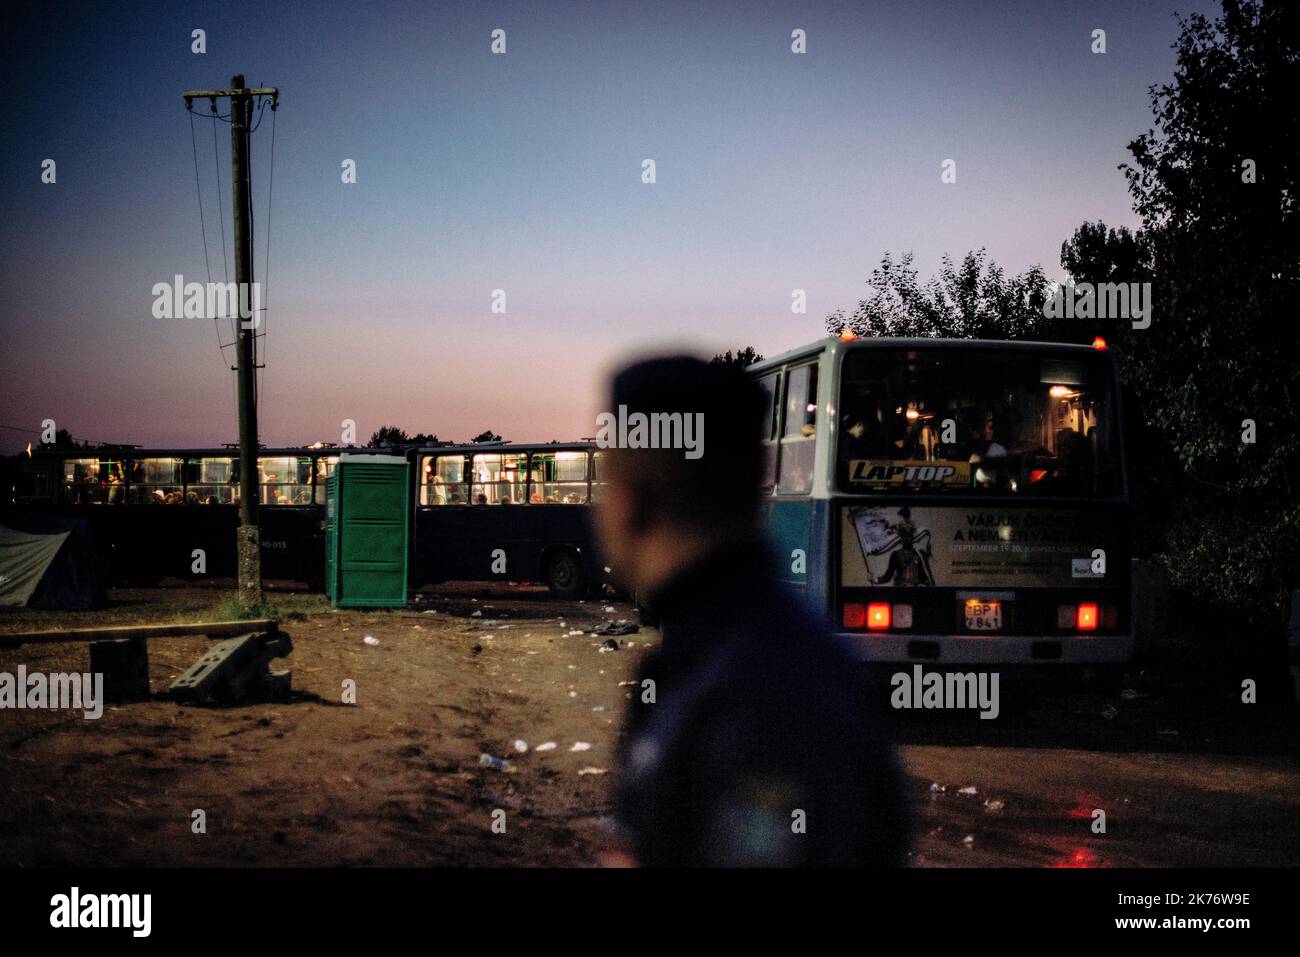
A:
[367,531]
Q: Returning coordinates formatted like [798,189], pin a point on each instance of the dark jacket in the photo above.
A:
[762,745]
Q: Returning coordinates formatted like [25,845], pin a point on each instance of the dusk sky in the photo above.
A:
[522,172]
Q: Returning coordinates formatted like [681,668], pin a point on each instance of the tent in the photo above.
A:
[48,562]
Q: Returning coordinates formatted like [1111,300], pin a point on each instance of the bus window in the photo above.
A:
[597,476]
[558,478]
[210,481]
[443,480]
[156,482]
[499,478]
[285,480]
[34,484]
[93,481]
[770,385]
[325,466]
[799,431]
[995,420]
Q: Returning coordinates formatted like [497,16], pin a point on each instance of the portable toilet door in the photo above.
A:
[331,539]
[370,517]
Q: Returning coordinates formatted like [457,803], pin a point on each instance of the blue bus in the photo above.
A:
[953,501]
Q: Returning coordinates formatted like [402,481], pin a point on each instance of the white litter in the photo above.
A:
[371,640]
[968,790]
[548,746]
[592,771]
[580,746]
[521,745]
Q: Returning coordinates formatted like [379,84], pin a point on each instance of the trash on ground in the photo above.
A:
[1109,712]
[486,760]
[609,644]
[580,746]
[968,790]
[592,771]
[547,746]
[521,745]
[994,805]
[371,640]
[620,627]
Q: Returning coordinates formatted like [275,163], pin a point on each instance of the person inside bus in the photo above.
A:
[748,715]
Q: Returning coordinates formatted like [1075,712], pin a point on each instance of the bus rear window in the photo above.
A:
[988,421]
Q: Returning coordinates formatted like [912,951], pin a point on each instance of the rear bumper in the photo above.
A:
[1048,650]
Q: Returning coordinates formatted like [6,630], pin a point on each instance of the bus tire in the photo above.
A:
[563,574]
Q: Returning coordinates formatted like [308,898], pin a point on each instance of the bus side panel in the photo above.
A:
[800,531]
[499,542]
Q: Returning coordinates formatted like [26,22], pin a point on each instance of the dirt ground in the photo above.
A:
[395,779]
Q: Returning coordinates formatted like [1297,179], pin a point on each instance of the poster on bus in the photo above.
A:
[976,547]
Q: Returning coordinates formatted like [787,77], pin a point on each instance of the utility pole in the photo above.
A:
[248,538]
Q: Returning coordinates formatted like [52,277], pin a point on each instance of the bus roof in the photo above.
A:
[837,345]
[137,452]
[578,445]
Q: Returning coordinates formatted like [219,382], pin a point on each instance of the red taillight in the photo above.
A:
[878,615]
[855,616]
[1085,618]
[1099,343]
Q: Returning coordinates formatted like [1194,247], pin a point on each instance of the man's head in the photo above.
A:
[687,480]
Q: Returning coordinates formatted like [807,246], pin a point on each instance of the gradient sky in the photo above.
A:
[522,172]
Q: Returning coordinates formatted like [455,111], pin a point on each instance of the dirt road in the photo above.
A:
[395,779]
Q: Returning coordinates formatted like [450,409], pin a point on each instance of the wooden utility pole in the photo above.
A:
[248,538]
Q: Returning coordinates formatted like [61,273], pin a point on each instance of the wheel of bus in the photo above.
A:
[564,575]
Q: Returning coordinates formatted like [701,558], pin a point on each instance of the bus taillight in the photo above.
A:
[877,616]
[855,615]
[1085,618]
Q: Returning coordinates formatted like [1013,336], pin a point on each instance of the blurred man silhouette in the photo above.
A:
[751,739]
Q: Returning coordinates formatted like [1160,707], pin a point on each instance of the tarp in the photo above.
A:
[47,562]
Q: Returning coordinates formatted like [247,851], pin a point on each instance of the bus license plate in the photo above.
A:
[983,615]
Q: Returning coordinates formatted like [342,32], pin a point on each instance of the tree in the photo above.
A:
[63,440]
[488,436]
[743,357]
[975,300]
[1214,182]
[387,436]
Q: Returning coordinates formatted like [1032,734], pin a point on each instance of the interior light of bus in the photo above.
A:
[1059,391]
[1099,343]
[913,415]
[1086,617]
[855,615]
[902,616]
[878,616]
